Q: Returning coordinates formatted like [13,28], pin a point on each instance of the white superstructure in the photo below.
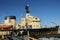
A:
[10,20]
[31,21]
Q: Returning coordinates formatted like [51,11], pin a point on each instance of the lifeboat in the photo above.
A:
[6,26]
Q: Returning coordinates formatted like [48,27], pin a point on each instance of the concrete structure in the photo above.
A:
[10,20]
[51,38]
[31,21]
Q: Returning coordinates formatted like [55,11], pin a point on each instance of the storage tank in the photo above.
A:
[10,20]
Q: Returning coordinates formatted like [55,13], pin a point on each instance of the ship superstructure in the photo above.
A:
[32,21]
[10,20]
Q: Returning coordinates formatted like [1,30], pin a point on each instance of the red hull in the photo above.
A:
[6,26]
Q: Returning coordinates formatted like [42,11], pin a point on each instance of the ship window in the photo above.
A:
[19,25]
[30,26]
[22,27]
[30,39]
[35,18]
[6,29]
[29,17]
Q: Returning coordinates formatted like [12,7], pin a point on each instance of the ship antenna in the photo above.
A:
[27,6]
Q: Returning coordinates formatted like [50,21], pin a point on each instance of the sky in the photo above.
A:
[47,10]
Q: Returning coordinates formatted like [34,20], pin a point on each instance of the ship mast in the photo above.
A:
[27,13]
